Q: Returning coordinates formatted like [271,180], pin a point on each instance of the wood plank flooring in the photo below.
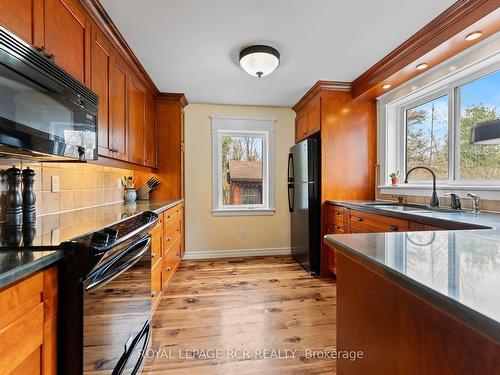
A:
[226,316]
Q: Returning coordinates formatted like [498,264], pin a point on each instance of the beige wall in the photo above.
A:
[205,232]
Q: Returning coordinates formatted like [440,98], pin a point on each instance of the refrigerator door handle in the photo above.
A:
[290,183]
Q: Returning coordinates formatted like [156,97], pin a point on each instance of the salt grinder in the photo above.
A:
[13,199]
[29,197]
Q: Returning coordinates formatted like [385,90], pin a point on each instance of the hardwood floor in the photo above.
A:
[214,308]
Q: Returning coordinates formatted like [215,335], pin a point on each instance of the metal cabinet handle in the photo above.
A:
[336,227]
[338,213]
[393,227]
[169,268]
[358,218]
[153,293]
[153,255]
[169,239]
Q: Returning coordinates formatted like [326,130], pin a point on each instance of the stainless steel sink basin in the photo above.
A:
[409,207]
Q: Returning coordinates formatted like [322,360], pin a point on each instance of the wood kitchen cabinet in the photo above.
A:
[23,17]
[136,121]
[118,129]
[150,132]
[308,120]
[28,325]
[67,32]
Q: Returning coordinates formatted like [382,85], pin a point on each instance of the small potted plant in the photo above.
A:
[394,178]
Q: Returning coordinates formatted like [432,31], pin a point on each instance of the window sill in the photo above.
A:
[491,192]
[244,212]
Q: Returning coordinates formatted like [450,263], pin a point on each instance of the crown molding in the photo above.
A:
[452,21]
[174,97]
[321,86]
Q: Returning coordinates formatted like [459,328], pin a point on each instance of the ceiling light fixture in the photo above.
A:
[259,61]
[422,66]
[473,35]
[386,86]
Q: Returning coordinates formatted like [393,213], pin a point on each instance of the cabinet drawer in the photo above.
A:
[368,222]
[17,300]
[172,231]
[156,244]
[335,215]
[335,229]
[155,283]
[20,339]
[171,213]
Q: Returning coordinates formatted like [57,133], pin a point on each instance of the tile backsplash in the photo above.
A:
[81,185]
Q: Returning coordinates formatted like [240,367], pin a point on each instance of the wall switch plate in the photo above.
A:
[54,237]
[243,235]
[54,184]
[118,183]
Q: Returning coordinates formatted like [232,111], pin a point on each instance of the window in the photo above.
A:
[478,100]
[428,122]
[243,166]
[427,138]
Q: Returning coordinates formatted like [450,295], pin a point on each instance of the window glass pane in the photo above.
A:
[427,139]
[241,170]
[479,101]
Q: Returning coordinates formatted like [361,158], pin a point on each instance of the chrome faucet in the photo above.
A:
[434,199]
[455,201]
[475,202]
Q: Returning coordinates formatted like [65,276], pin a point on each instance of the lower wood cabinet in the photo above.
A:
[340,220]
[167,249]
[28,325]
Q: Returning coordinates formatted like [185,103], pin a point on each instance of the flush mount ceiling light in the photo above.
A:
[386,86]
[422,66]
[473,35]
[259,61]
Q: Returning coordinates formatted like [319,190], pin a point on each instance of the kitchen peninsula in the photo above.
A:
[407,298]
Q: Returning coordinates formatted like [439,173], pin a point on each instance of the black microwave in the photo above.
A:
[44,112]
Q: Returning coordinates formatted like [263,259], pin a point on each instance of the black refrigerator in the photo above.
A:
[304,191]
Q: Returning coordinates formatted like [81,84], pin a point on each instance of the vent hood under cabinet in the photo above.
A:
[486,133]
[45,113]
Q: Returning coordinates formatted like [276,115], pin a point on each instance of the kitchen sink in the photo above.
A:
[410,207]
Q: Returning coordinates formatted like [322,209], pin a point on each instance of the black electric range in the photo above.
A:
[105,299]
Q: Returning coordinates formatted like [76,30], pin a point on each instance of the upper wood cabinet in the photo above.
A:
[18,17]
[118,129]
[67,32]
[101,68]
[150,132]
[136,113]
[308,120]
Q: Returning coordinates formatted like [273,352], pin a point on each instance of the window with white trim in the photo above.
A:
[428,122]
[242,166]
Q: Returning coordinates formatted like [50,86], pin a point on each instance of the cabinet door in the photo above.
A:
[137,104]
[314,116]
[301,126]
[99,83]
[65,36]
[17,16]
[150,129]
[118,108]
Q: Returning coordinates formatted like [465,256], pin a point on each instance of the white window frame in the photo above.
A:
[244,127]
[478,61]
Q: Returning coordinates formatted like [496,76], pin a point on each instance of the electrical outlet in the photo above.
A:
[243,235]
[54,236]
[118,183]
[54,184]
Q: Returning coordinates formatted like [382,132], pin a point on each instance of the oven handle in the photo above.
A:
[113,268]
[122,362]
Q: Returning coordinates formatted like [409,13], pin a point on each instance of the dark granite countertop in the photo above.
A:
[22,253]
[457,271]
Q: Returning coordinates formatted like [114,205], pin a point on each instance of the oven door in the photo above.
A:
[38,120]
[116,310]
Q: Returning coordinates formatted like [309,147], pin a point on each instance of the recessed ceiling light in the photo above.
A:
[422,66]
[259,60]
[473,35]
[386,86]
[414,88]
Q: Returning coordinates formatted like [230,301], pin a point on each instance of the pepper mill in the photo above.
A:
[29,197]
[13,198]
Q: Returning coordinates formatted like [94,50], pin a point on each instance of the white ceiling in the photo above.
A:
[192,46]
